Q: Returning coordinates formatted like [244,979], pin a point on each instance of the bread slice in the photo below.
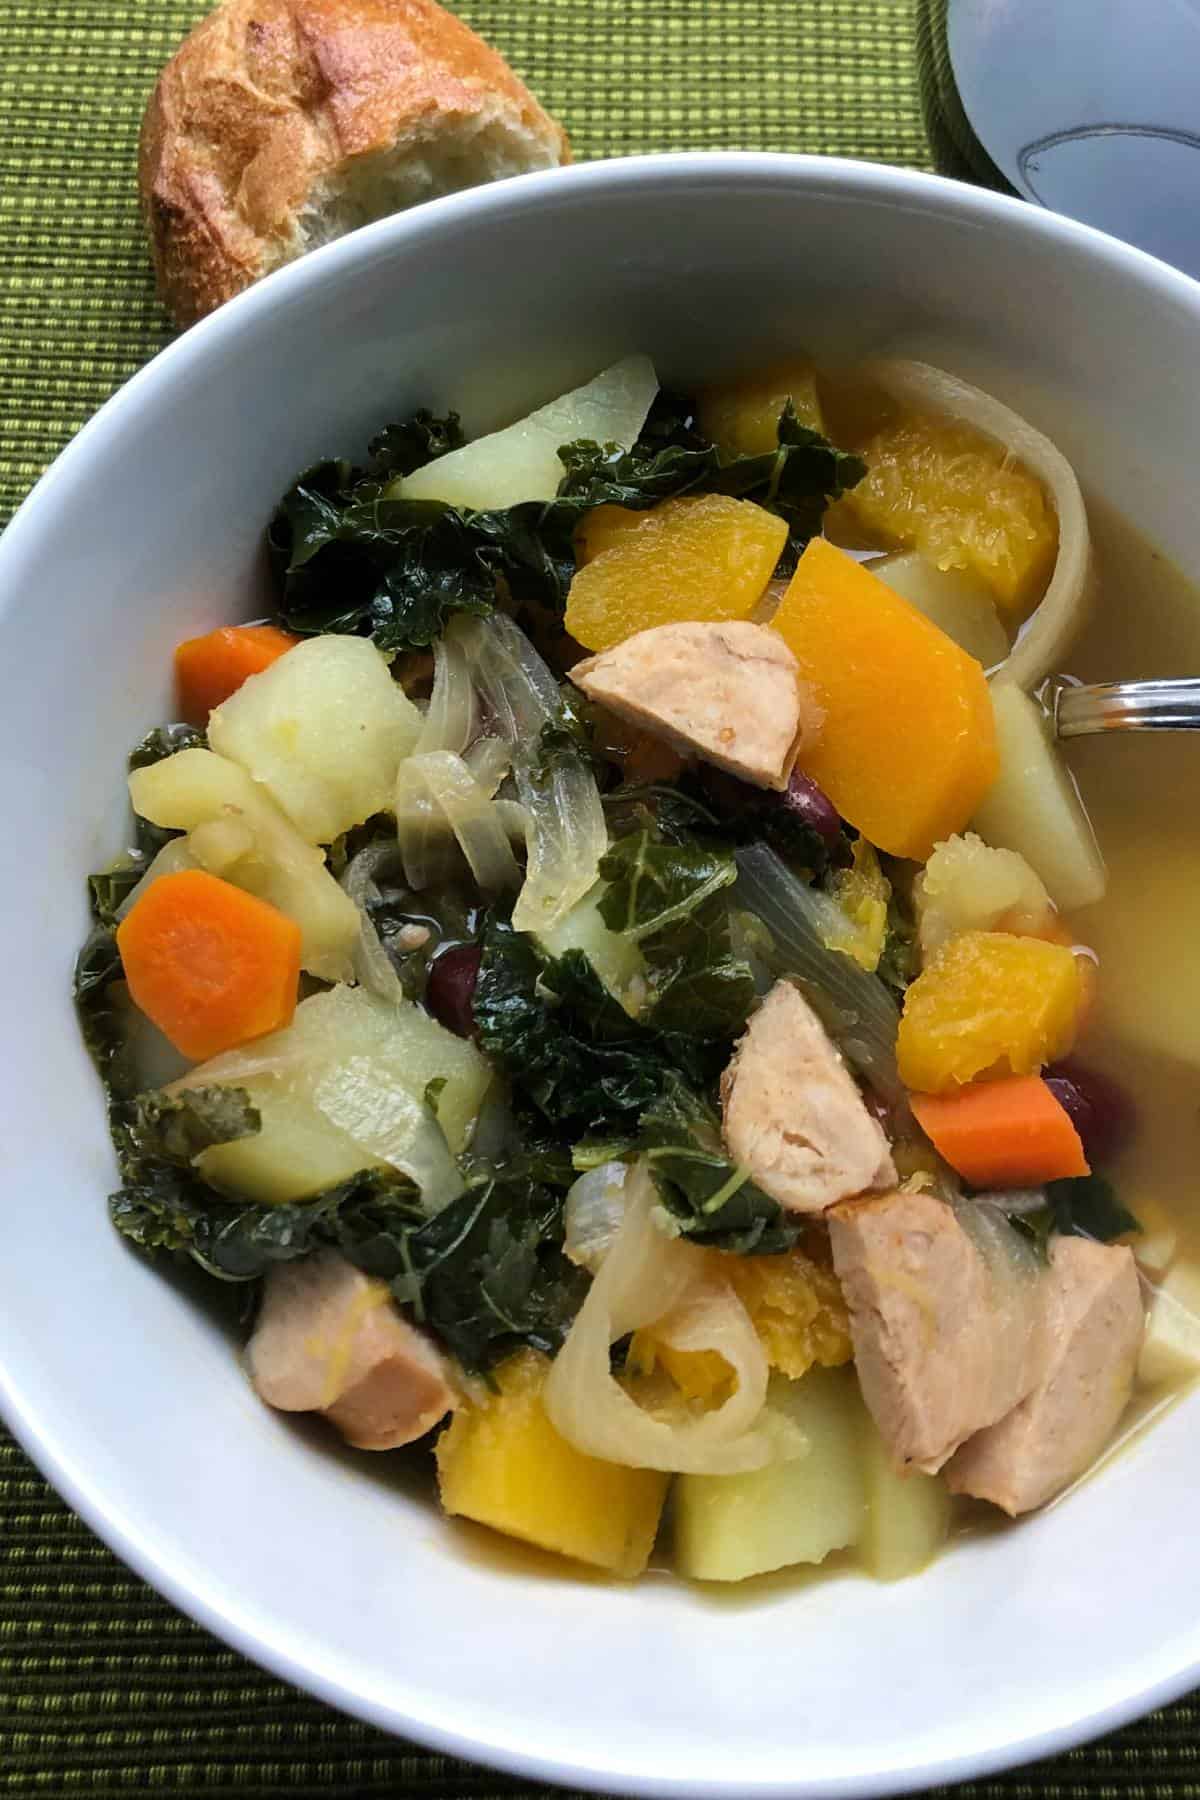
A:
[280,124]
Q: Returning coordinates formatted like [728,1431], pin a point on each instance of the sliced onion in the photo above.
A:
[444,781]
[855,1008]
[372,965]
[650,1279]
[595,1207]
[383,1118]
[422,829]
[1059,616]
[566,831]
[450,718]
[489,760]
[515,820]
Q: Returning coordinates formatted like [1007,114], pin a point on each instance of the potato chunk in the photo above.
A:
[522,463]
[267,857]
[955,602]
[968,886]
[1033,806]
[323,730]
[728,1527]
[342,1089]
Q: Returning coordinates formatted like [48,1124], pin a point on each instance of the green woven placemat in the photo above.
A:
[105,1689]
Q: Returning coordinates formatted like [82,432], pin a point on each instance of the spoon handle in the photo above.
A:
[1080,710]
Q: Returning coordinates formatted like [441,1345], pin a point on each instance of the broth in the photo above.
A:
[1141,792]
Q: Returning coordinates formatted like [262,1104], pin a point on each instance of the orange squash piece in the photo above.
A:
[209,669]
[907,749]
[988,1004]
[504,1465]
[211,965]
[743,416]
[795,1305]
[704,557]
[940,487]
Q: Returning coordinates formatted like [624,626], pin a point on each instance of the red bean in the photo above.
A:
[813,807]
[1101,1111]
[451,988]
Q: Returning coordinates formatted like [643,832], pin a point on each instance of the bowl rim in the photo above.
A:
[877,182]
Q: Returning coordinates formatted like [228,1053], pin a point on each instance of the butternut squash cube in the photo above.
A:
[504,1465]
[943,488]
[988,1004]
[702,557]
[907,748]
[743,416]
[797,1308]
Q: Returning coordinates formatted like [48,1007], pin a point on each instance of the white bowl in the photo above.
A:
[324,1567]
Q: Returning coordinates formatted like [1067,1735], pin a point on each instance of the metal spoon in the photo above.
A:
[1079,709]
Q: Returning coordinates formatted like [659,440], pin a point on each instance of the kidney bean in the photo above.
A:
[451,988]
[813,807]
[1101,1111]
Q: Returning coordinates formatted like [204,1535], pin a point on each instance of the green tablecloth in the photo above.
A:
[104,1689]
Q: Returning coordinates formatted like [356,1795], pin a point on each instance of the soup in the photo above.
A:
[642,1006]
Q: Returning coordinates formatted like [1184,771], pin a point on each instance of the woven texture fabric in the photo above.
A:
[104,1688]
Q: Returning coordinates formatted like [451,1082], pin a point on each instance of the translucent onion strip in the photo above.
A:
[422,831]
[592,1215]
[855,1008]
[566,834]
[1047,634]
[440,787]
[372,965]
[450,720]
[489,760]
[647,1278]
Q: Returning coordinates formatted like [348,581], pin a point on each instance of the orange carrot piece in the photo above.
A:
[1009,1133]
[210,668]
[212,966]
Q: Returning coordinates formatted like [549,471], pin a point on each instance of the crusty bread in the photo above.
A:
[280,124]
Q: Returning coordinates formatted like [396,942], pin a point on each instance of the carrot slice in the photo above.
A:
[210,668]
[212,966]
[1010,1133]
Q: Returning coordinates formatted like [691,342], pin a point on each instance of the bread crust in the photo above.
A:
[268,100]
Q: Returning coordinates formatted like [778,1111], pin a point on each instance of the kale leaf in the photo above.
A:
[400,449]
[732,812]
[552,1026]
[485,1274]
[235,1241]
[796,480]
[898,958]
[178,1127]
[714,1202]
[164,741]
[1082,1206]
[1087,1206]
[567,1044]
[653,885]
[669,896]
[349,553]
[489,1272]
